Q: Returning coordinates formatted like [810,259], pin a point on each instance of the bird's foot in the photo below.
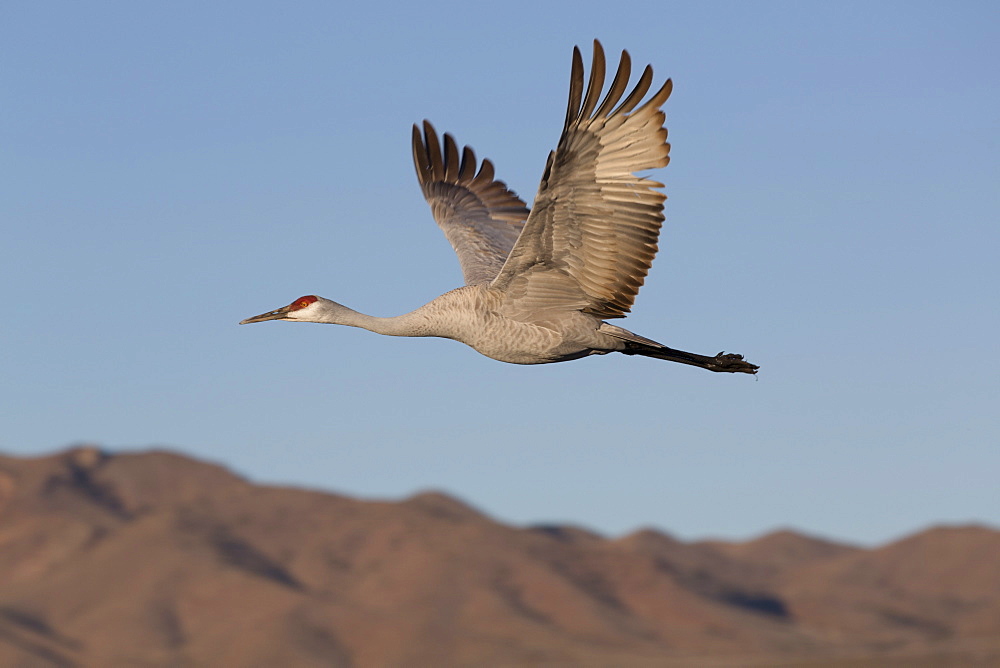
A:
[732,363]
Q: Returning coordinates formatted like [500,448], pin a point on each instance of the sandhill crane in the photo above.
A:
[540,285]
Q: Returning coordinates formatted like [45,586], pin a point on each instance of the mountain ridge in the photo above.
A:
[161,559]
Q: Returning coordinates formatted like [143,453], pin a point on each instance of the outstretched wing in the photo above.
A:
[591,236]
[480,217]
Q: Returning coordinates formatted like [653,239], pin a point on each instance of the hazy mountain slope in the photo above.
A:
[158,559]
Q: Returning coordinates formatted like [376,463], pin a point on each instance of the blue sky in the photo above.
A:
[168,169]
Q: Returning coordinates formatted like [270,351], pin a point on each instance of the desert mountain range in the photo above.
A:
[156,559]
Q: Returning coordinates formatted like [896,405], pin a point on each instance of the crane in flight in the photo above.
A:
[540,285]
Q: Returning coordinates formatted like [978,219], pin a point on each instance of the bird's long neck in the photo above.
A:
[408,324]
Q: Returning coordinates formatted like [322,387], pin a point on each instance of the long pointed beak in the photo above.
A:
[277,314]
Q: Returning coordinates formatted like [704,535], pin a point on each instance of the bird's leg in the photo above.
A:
[723,362]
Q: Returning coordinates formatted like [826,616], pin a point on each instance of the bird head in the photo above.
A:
[301,309]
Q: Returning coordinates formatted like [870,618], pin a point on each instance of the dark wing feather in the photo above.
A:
[479,215]
[592,233]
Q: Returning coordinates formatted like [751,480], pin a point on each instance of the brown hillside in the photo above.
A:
[156,559]
[780,551]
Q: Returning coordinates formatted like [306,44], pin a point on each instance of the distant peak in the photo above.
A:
[442,505]
[650,534]
[86,456]
[651,541]
[566,533]
[791,537]
[947,533]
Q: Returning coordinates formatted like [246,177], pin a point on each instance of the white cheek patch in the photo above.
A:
[300,313]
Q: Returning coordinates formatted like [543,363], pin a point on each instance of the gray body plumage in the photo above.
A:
[474,315]
[540,283]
